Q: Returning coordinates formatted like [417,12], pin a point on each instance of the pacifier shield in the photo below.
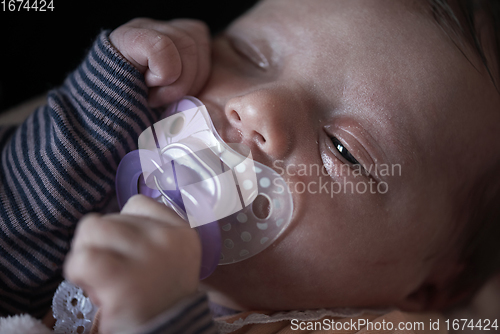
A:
[212,182]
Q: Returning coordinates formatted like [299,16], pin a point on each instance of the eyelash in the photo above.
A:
[250,54]
[343,151]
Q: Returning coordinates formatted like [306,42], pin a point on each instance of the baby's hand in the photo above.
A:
[174,56]
[136,264]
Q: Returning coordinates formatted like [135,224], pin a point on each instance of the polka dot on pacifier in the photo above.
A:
[241,217]
[241,168]
[244,252]
[279,222]
[246,236]
[263,240]
[277,203]
[228,243]
[176,125]
[226,227]
[265,182]
[262,226]
[257,169]
[247,184]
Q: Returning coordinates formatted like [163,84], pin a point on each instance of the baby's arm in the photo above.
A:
[137,264]
[61,162]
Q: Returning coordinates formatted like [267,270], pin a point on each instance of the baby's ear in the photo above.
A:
[437,292]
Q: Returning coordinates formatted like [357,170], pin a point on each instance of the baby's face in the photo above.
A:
[334,84]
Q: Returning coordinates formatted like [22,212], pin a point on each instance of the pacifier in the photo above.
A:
[238,206]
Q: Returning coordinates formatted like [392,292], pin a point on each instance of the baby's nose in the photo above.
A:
[263,118]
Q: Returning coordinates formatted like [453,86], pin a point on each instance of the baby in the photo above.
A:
[397,101]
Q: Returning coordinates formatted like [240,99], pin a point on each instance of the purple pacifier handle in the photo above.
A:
[210,248]
[127,185]
[127,177]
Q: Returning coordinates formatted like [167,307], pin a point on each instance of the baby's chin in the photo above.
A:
[246,285]
[277,283]
[260,283]
[229,288]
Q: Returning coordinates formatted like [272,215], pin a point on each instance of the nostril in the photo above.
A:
[235,115]
[260,138]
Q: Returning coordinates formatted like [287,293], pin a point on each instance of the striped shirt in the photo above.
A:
[59,165]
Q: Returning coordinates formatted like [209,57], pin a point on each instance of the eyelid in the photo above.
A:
[335,154]
[250,51]
[344,137]
[331,146]
[335,143]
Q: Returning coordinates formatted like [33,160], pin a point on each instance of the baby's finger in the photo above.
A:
[140,205]
[200,33]
[171,92]
[115,232]
[185,34]
[152,52]
[193,77]
[93,268]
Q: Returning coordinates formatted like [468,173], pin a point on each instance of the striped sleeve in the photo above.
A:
[190,316]
[60,164]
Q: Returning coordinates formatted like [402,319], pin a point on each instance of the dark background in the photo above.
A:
[38,49]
